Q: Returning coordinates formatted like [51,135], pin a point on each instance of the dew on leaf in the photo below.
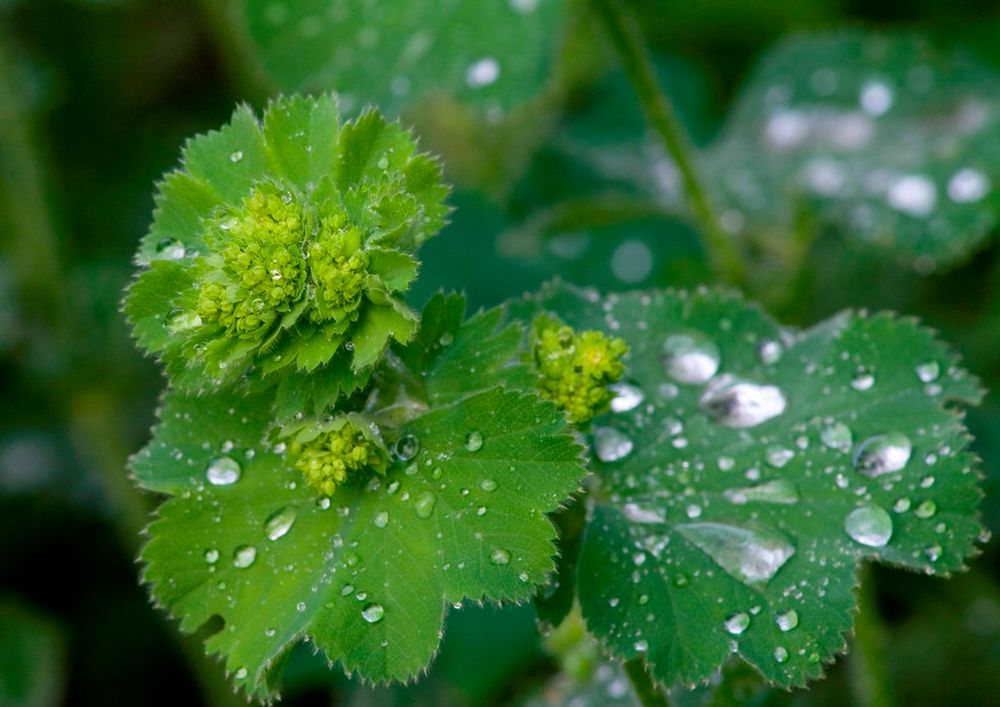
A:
[690,358]
[244,556]
[779,456]
[912,194]
[752,555]
[424,505]
[240,674]
[967,186]
[769,352]
[781,654]
[381,519]
[737,622]
[926,509]
[641,646]
[902,505]
[611,444]
[780,491]
[640,514]
[373,613]
[869,525]
[500,557]
[483,72]
[406,447]
[488,485]
[182,320]
[626,396]
[787,620]
[741,404]
[474,441]
[928,372]
[347,590]
[882,454]
[837,436]
[280,522]
[875,98]
[863,381]
[223,471]
[170,249]
[236,156]
[211,556]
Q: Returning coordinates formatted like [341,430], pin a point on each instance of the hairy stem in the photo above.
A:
[645,689]
[624,33]
[866,666]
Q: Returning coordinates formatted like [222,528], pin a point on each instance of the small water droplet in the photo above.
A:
[781,654]
[737,622]
[626,397]
[240,674]
[211,556]
[751,555]
[869,525]
[875,98]
[223,471]
[968,185]
[381,519]
[500,557]
[483,72]
[837,436]
[769,352]
[406,447]
[690,358]
[424,505]
[863,381]
[641,646]
[787,620]
[170,249]
[611,444]
[639,514]
[926,509]
[779,456]
[244,556]
[929,372]
[913,194]
[383,162]
[236,155]
[740,404]
[882,454]
[280,522]
[474,441]
[347,590]
[902,505]
[373,613]
[488,485]
[781,491]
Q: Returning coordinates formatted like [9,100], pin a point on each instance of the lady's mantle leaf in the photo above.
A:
[367,574]
[493,53]
[748,470]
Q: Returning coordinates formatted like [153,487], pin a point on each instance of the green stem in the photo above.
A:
[624,33]
[866,666]
[645,689]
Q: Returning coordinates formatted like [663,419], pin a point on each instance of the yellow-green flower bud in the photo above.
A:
[327,459]
[338,266]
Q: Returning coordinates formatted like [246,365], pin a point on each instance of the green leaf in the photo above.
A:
[742,480]
[367,575]
[31,659]
[267,241]
[886,138]
[492,54]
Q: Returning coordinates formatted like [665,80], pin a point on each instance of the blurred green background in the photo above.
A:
[96,98]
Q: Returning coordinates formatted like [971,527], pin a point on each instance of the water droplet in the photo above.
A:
[280,522]
[869,525]
[236,155]
[637,514]
[181,320]
[406,447]
[928,372]
[641,646]
[780,491]
[736,403]
[223,471]
[737,622]
[483,72]
[902,505]
[883,454]
[863,381]
[779,456]
[726,463]
[781,654]
[926,509]
[170,249]
[610,444]
[381,519]
[751,555]
[875,98]
[968,185]
[424,505]
[769,352]
[383,162]
[347,590]
[837,436]
[500,557]
[240,674]
[244,556]
[211,556]
[373,613]
[488,485]
[626,397]
[690,358]
[913,194]
[474,441]
[787,620]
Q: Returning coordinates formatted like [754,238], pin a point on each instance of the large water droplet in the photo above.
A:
[223,471]
[170,249]
[751,555]
[500,557]
[690,358]
[610,444]
[280,522]
[736,403]
[373,613]
[244,556]
[780,491]
[474,441]
[626,397]
[882,454]
[639,514]
[869,525]
[424,505]
[406,447]
[737,622]
[787,620]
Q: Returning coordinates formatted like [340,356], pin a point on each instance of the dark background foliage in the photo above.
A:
[96,96]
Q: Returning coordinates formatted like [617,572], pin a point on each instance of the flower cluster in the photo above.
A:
[327,454]
[576,368]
